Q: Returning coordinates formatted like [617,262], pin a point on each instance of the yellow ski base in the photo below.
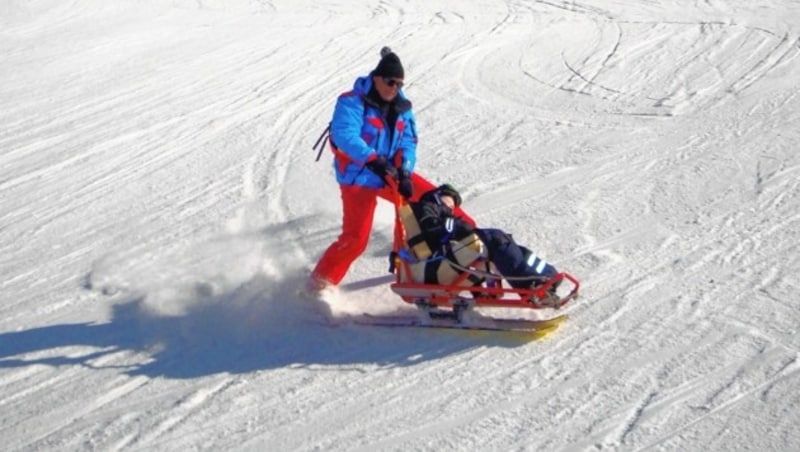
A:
[524,328]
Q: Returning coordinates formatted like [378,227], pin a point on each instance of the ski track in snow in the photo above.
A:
[160,206]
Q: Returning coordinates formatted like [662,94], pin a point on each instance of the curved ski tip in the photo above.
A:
[540,334]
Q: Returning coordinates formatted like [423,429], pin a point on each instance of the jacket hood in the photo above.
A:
[363,85]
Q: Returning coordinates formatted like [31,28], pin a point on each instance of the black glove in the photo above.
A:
[380,166]
[404,185]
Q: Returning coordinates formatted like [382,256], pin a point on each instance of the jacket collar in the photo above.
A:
[363,86]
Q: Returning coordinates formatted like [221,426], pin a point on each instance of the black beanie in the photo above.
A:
[448,190]
[389,65]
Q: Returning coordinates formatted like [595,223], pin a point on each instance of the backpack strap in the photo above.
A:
[321,141]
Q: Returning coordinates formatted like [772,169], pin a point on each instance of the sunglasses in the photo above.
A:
[393,82]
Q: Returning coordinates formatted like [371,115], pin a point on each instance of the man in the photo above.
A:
[439,225]
[374,140]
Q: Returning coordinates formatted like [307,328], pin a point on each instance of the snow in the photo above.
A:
[160,205]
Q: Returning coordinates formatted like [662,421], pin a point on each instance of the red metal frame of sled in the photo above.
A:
[449,295]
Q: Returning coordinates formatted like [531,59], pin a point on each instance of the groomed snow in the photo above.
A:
[160,205]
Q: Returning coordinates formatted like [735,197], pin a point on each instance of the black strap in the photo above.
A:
[416,240]
[322,141]
[475,280]
[431,271]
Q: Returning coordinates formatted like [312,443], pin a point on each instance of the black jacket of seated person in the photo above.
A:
[439,225]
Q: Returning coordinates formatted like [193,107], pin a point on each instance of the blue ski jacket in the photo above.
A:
[360,133]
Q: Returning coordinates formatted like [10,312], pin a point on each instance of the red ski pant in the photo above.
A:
[358,212]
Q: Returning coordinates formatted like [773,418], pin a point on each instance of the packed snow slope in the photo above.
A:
[160,204]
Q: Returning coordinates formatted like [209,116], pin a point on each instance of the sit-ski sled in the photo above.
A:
[453,305]
[466,281]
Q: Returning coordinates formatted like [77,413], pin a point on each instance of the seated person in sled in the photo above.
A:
[444,245]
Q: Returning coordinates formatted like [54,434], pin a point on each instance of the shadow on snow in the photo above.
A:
[259,325]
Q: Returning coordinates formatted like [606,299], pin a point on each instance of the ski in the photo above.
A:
[535,328]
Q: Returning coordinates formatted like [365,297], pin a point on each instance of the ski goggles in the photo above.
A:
[393,82]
